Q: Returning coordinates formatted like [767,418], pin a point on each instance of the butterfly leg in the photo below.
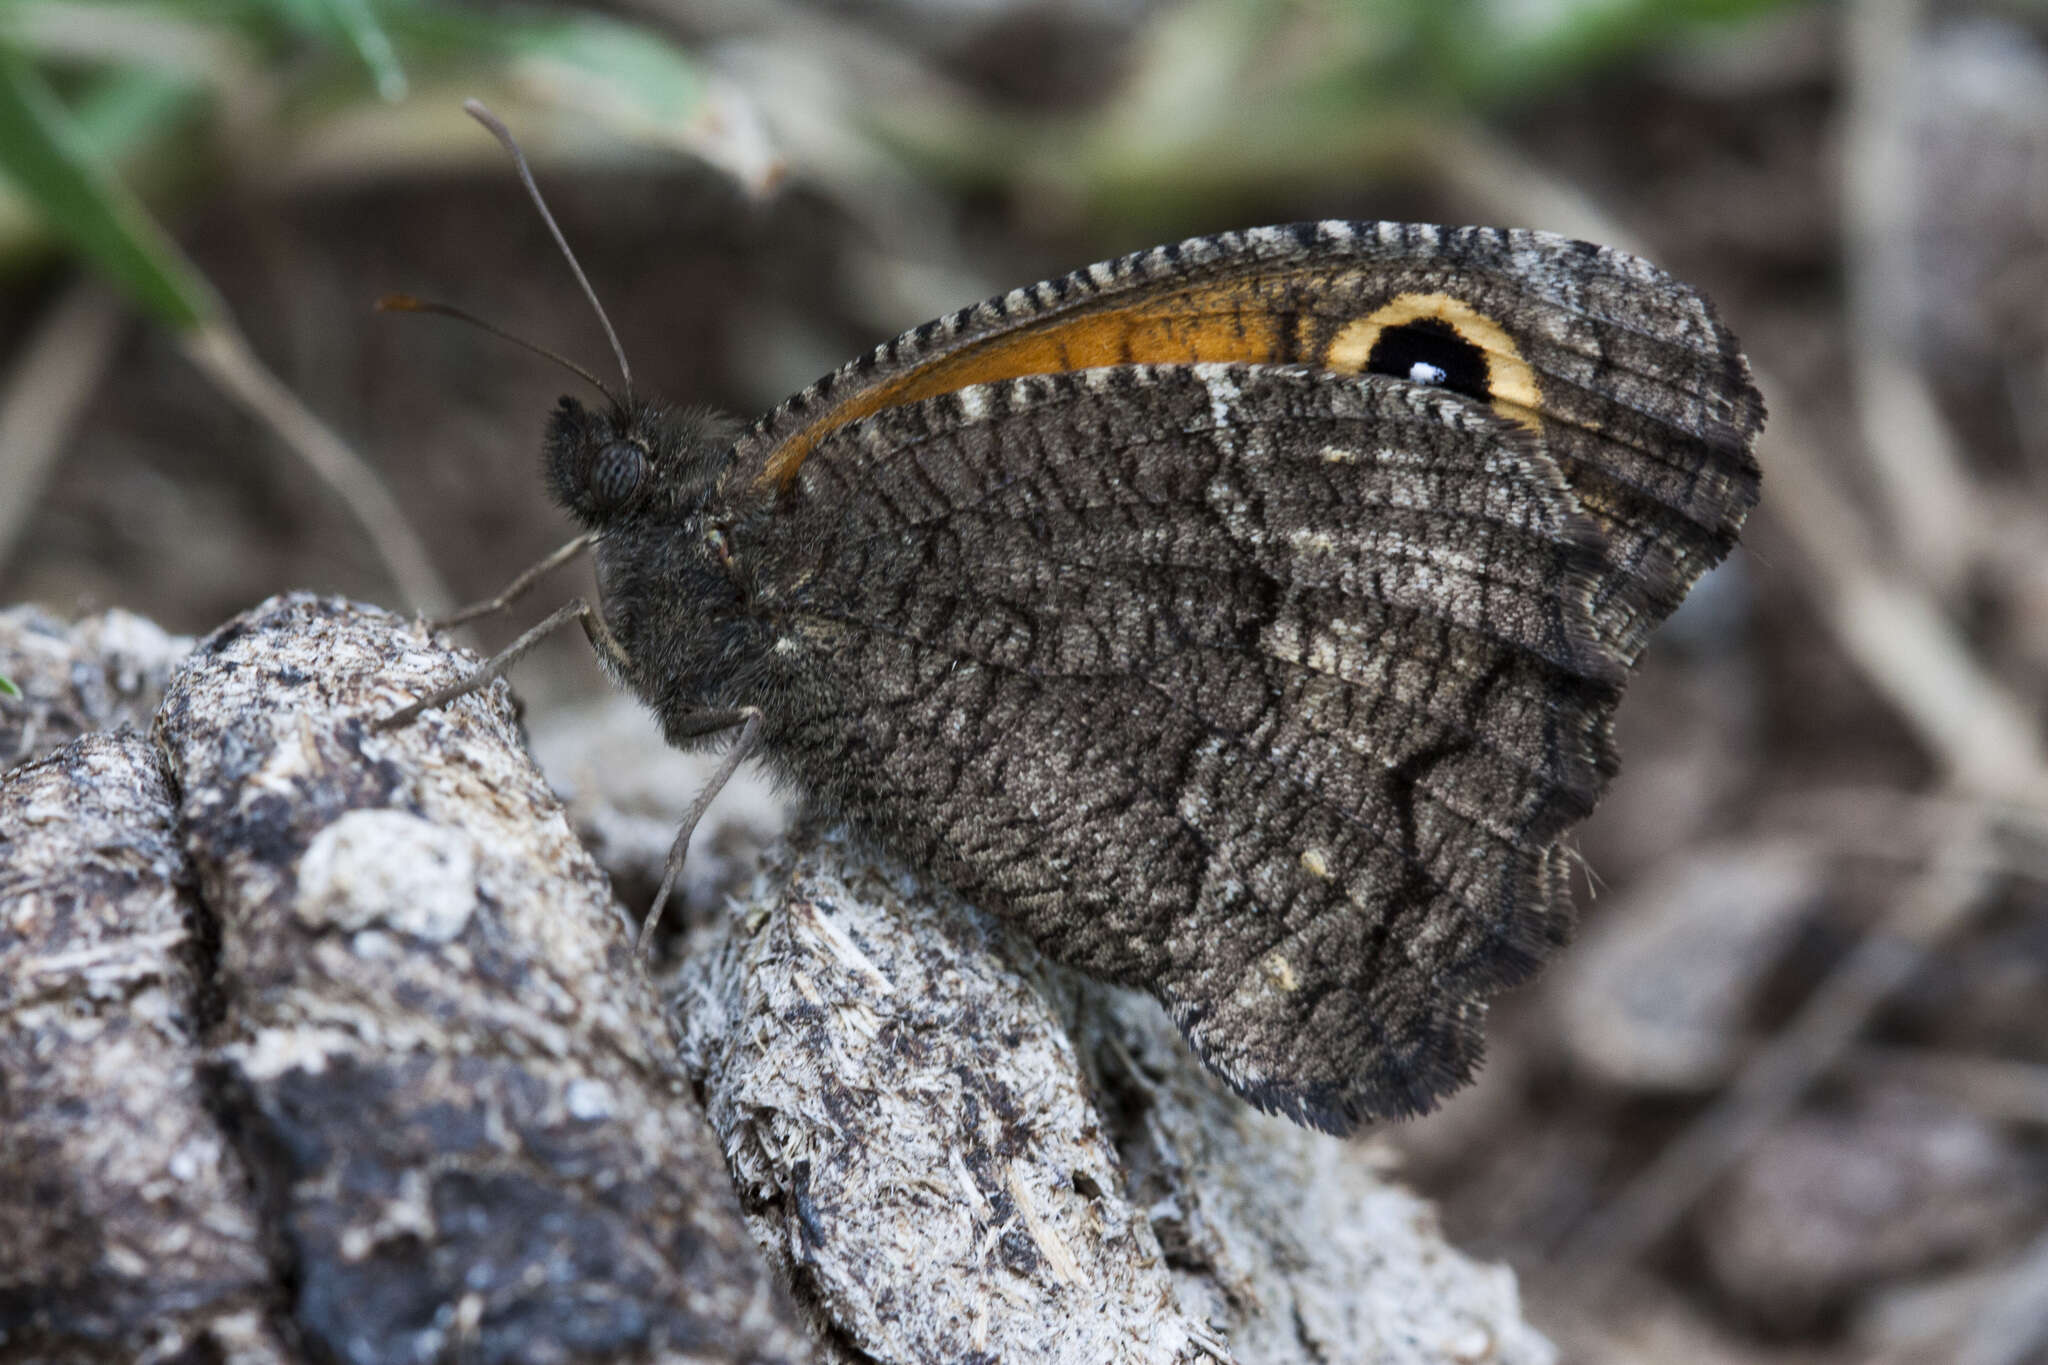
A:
[748,718]
[519,586]
[493,668]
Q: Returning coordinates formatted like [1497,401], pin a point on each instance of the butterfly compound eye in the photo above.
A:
[617,473]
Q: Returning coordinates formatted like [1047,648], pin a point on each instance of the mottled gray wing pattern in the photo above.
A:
[1640,395]
[1267,689]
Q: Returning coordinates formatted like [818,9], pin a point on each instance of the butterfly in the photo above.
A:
[1242,619]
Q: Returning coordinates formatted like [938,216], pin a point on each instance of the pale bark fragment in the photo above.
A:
[127,1228]
[445,1071]
[98,673]
[921,1148]
[1301,1244]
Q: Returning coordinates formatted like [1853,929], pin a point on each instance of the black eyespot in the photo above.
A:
[1429,351]
[616,473]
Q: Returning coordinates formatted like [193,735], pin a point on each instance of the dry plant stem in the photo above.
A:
[1990,1087]
[224,357]
[1873,821]
[1898,636]
[2011,1325]
[1898,828]
[58,368]
[1913,457]
[1932,910]
[521,585]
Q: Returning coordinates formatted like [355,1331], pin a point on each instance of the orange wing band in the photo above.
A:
[1229,321]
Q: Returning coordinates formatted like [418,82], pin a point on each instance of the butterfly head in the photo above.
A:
[645,478]
[630,459]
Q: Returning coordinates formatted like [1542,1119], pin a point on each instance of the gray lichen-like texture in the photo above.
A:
[99,673]
[1298,1242]
[956,1151]
[126,1226]
[341,1029]
[444,1067]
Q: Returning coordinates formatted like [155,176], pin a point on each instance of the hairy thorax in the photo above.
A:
[694,641]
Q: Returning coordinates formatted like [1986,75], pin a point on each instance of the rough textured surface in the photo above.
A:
[94,674]
[127,1227]
[1300,1245]
[435,1053]
[920,1148]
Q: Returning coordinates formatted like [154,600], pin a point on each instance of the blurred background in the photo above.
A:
[1786,1099]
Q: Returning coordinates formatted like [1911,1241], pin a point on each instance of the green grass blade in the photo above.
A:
[7,687]
[357,22]
[1487,52]
[625,75]
[131,112]
[51,161]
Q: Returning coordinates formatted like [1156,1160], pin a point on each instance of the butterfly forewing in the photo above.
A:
[1639,393]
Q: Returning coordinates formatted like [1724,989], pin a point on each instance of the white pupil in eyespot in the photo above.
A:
[1422,372]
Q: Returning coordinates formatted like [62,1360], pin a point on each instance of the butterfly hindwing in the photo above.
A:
[1266,690]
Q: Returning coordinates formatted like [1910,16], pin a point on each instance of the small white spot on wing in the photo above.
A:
[1224,394]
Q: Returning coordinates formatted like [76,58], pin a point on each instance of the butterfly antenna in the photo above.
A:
[476,110]
[406,303]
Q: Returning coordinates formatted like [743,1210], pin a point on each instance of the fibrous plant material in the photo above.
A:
[448,1077]
[128,1221]
[98,673]
[397,1016]
[955,1150]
